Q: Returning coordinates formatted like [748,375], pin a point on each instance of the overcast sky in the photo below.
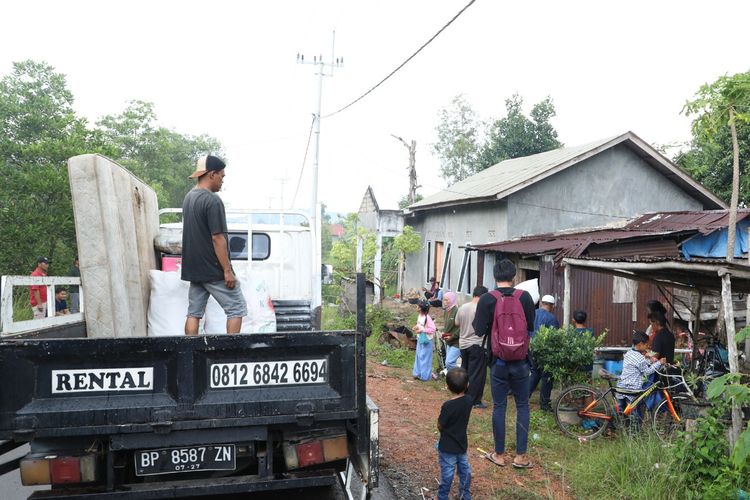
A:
[228,69]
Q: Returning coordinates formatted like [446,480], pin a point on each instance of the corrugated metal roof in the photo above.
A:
[666,227]
[509,176]
[705,221]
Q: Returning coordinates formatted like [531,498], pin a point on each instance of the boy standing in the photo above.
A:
[452,424]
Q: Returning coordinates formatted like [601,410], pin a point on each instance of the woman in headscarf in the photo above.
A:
[451,329]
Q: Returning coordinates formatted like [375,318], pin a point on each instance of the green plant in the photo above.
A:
[633,467]
[703,455]
[563,353]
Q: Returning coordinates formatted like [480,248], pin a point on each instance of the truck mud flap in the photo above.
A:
[197,487]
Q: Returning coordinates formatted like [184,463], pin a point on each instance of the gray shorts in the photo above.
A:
[230,299]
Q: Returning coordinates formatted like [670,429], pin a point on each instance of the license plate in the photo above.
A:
[308,371]
[190,459]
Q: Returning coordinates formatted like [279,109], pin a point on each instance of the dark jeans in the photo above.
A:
[474,361]
[449,462]
[513,377]
[545,391]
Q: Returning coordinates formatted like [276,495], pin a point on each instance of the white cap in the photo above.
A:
[549,299]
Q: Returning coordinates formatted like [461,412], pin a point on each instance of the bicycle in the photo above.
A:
[584,412]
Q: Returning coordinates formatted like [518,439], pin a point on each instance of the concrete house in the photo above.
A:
[604,183]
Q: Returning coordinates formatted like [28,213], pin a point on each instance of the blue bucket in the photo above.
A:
[614,367]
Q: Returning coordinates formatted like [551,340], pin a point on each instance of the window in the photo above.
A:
[445,268]
[464,279]
[429,254]
[238,246]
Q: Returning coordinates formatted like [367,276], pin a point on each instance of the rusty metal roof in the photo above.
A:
[705,221]
[657,234]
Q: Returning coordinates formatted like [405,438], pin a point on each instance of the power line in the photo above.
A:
[304,160]
[403,63]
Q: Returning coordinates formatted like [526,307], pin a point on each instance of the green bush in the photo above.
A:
[563,353]
[705,458]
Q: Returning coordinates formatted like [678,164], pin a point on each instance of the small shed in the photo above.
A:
[618,301]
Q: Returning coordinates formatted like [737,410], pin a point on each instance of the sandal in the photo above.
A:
[491,457]
[527,465]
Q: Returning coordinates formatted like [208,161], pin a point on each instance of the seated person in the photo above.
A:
[635,367]
[437,300]
[434,289]
[61,305]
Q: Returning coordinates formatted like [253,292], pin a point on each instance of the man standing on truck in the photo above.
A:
[38,293]
[205,249]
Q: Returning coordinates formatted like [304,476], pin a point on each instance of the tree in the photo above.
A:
[161,157]
[719,106]
[458,140]
[404,201]
[39,131]
[515,135]
[710,157]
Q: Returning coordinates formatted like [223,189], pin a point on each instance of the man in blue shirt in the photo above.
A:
[543,317]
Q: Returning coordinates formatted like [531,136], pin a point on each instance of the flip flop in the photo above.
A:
[527,465]
[490,456]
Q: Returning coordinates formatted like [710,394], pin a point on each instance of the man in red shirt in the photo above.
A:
[38,293]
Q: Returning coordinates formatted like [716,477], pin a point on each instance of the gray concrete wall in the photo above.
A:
[611,187]
[476,224]
[615,182]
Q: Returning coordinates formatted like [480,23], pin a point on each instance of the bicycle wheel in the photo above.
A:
[569,405]
[665,426]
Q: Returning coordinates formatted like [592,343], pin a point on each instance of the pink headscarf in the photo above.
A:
[449,300]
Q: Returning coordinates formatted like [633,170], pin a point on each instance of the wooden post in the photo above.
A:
[726,297]
[566,295]
[698,307]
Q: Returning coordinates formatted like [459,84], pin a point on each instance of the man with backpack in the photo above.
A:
[506,315]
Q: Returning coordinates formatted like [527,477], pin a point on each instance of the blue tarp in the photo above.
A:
[715,244]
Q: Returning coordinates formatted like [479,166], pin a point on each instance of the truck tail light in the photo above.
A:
[35,471]
[315,451]
[65,470]
[55,469]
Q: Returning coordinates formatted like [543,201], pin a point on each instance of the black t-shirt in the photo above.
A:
[454,420]
[663,345]
[202,216]
[61,305]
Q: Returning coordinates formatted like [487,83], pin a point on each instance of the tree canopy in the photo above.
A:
[464,149]
[40,130]
[709,156]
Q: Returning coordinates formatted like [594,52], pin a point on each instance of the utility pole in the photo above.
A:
[412,168]
[411,197]
[315,225]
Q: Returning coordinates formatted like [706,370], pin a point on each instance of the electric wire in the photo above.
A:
[403,63]
[304,160]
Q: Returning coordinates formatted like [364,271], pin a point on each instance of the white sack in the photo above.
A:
[531,286]
[260,318]
[168,304]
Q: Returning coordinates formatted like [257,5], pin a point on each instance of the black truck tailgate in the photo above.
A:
[108,386]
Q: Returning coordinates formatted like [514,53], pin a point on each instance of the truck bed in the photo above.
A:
[71,387]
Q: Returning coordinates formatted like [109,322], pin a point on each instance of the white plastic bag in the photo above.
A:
[260,318]
[168,304]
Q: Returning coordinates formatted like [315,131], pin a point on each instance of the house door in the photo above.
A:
[438,269]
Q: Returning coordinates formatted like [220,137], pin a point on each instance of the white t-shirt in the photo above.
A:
[465,318]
